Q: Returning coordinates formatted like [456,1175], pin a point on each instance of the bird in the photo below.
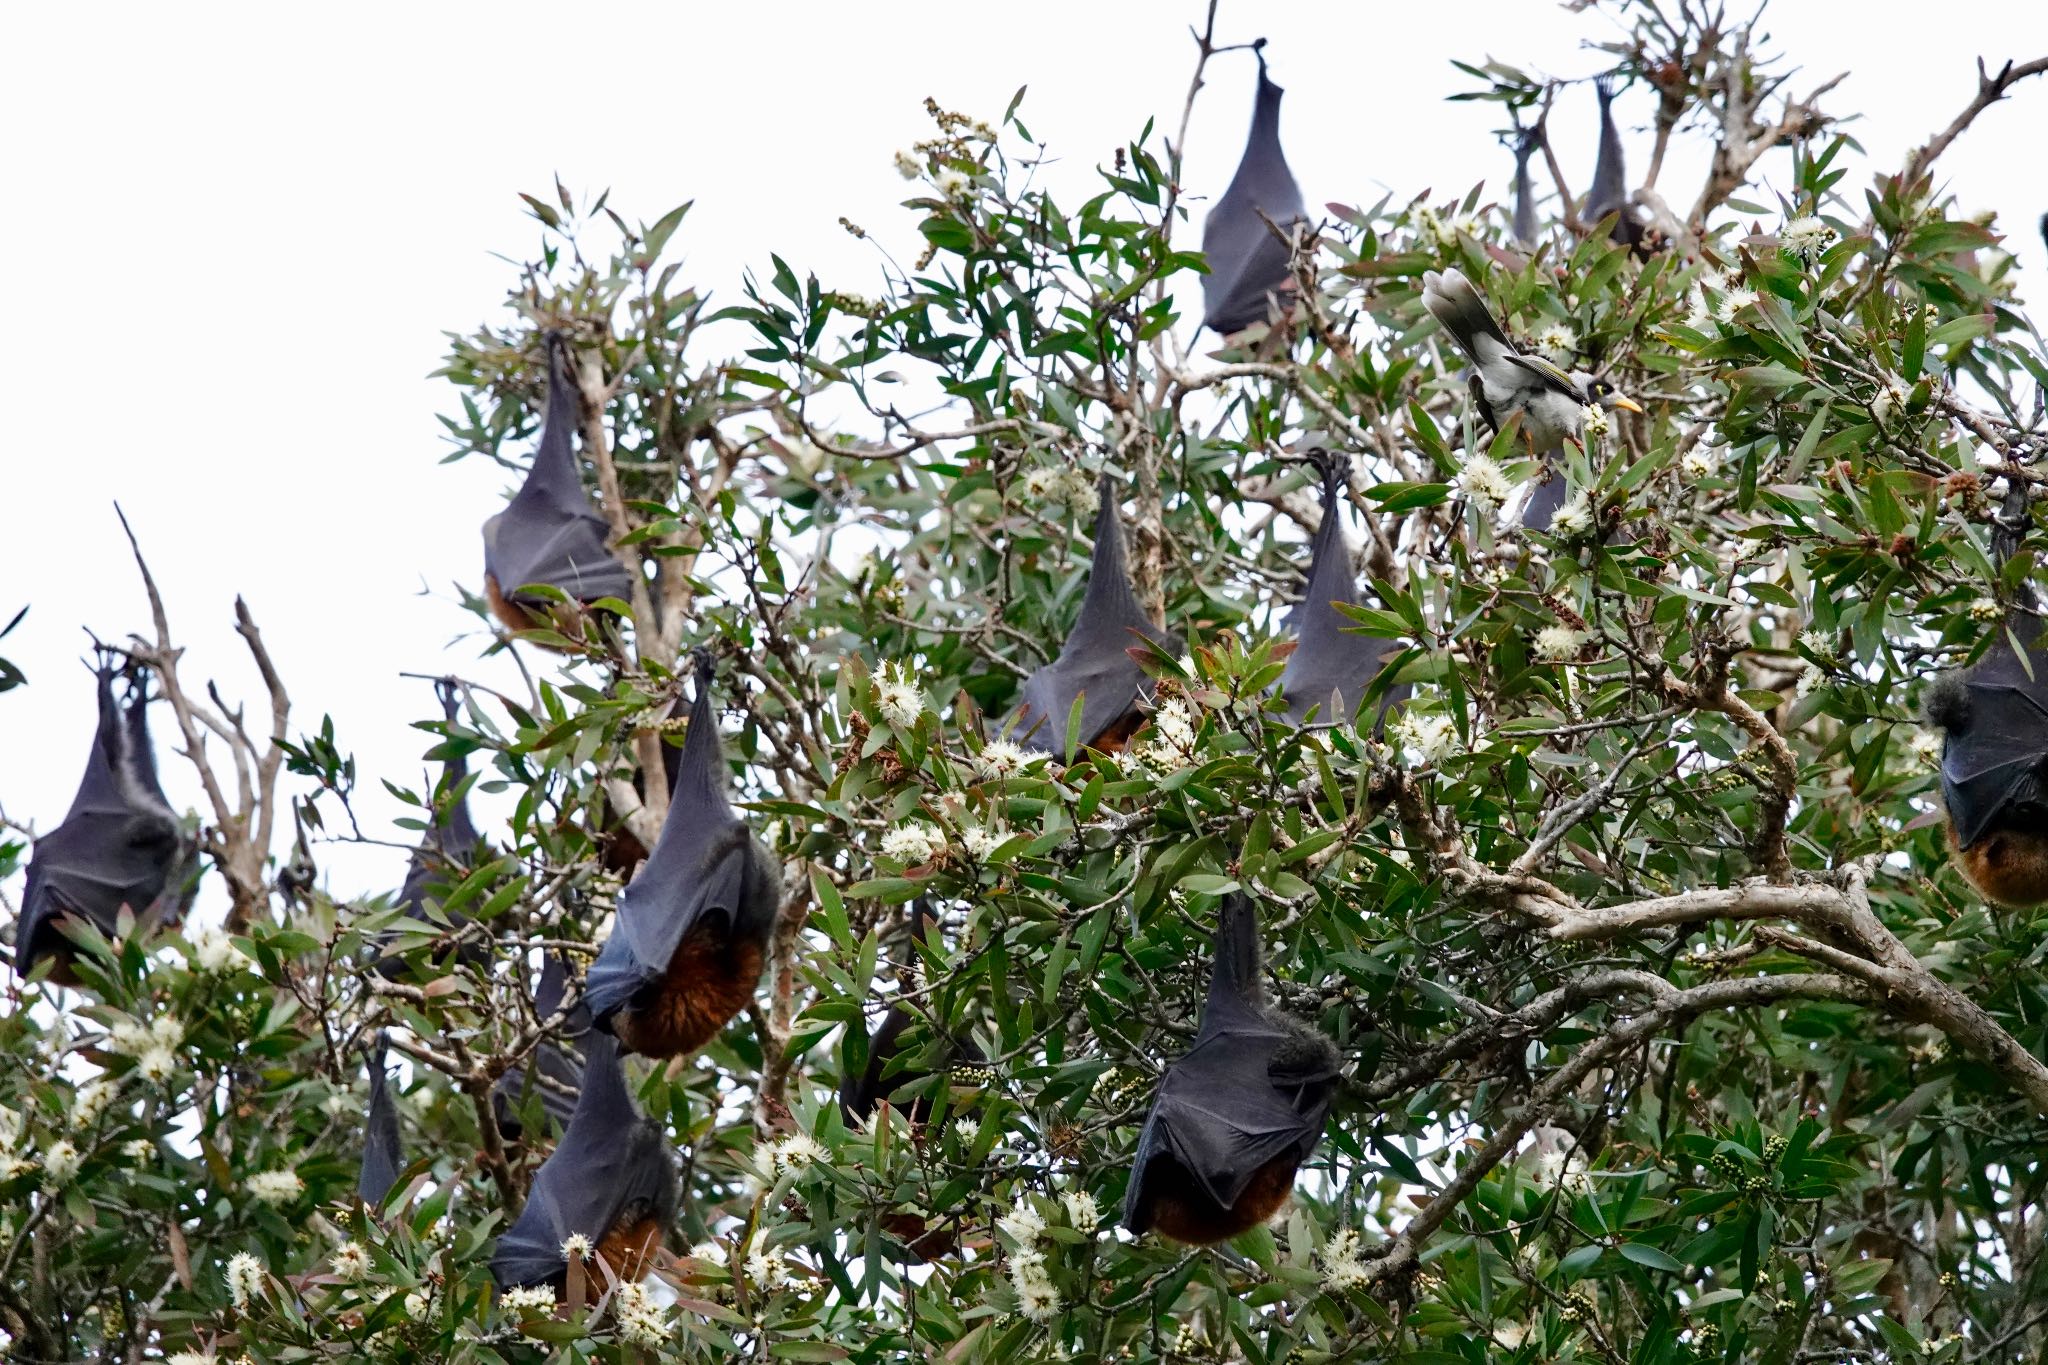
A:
[557,1058]
[119,847]
[1993,717]
[611,1180]
[382,1156]
[1236,1115]
[1095,665]
[549,535]
[444,855]
[1507,383]
[1245,239]
[693,925]
[1609,194]
[1525,191]
[1332,666]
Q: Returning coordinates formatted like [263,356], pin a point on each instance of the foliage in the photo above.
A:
[1670,1036]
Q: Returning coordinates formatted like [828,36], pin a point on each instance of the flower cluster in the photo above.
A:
[1038,1298]
[765,1265]
[245,1280]
[1596,424]
[1557,344]
[642,1322]
[535,1299]
[1343,1262]
[998,759]
[1426,737]
[212,950]
[275,1188]
[61,1160]
[978,842]
[576,1247]
[1557,644]
[1082,1214]
[1806,238]
[1484,482]
[351,1262]
[795,1154]
[1059,486]
[1574,519]
[912,844]
[900,700]
[1173,738]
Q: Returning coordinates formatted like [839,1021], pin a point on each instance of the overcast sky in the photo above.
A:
[239,233]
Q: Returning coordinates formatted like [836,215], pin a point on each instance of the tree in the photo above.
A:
[1669,1032]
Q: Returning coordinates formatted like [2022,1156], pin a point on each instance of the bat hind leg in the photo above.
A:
[1182,1210]
[2010,866]
[708,982]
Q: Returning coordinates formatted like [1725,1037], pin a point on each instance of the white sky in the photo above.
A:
[240,232]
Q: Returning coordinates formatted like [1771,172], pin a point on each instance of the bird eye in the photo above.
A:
[1600,388]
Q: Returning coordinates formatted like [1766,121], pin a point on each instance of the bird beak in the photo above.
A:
[1622,400]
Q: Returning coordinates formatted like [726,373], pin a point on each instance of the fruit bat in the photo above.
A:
[1238,1113]
[1095,663]
[1249,262]
[1525,190]
[610,1179]
[382,1158]
[120,845]
[1610,180]
[692,929]
[1332,665]
[560,1062]
[447,851]
[1994,754]
[860,1095]
[617,845]
[549,534]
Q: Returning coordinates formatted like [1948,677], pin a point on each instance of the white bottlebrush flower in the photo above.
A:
[529,1299]
[900,700]
[91,1101]
[1806,238]
[710,1253]
[245,1281]
[212,949]
[1557,343]
[1575,518]
[1986,609]
[952,183]
[1812,679]
[979,842]
[1888,402]
[999,758]
[1734,301]
[275,1188]
[980,131]
[968,1130]
[1427,739]
[1484,482]
[1697,464]
[1080,489]
[190,1358]
[576,1247]
[912,843]
[642,1322]
[1595,424]
[1022,1224]
[157,1064]
[1046,485]
[1038,1298]
[1818,643]
[167,1030]
[128,1037]
[10,1127]
[1172,746]
[418,1305]
[909,165]
[139,1149]
[351,1262]
[1082,1214]
[61,1160]
[764,1264]
[1926,747]
[1698,316]
[1343,1262]
[1710,278]
[1557,644]
[1510,1335]
[798,1152]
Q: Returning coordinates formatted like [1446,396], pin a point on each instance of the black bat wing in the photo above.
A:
[549,533]
[119,845]
[1994,763]
[1247,261]
[561,1062]
[383,1158]
[1332,666]
[1525,190]
[1095,664]
[611,1163]
[444,855]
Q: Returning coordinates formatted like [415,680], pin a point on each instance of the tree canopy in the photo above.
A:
[1618,880]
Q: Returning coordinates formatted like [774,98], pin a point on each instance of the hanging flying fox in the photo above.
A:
[382,1156]
[1332,665]
[1250,270]
[119,846]
[1095,663]
[617,845]
[693,926]
[1994,758]
[610,1179]
[1610,178]
[561,1062]
[1236,1115]
[1525,189]
[549,534]
[445,853]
